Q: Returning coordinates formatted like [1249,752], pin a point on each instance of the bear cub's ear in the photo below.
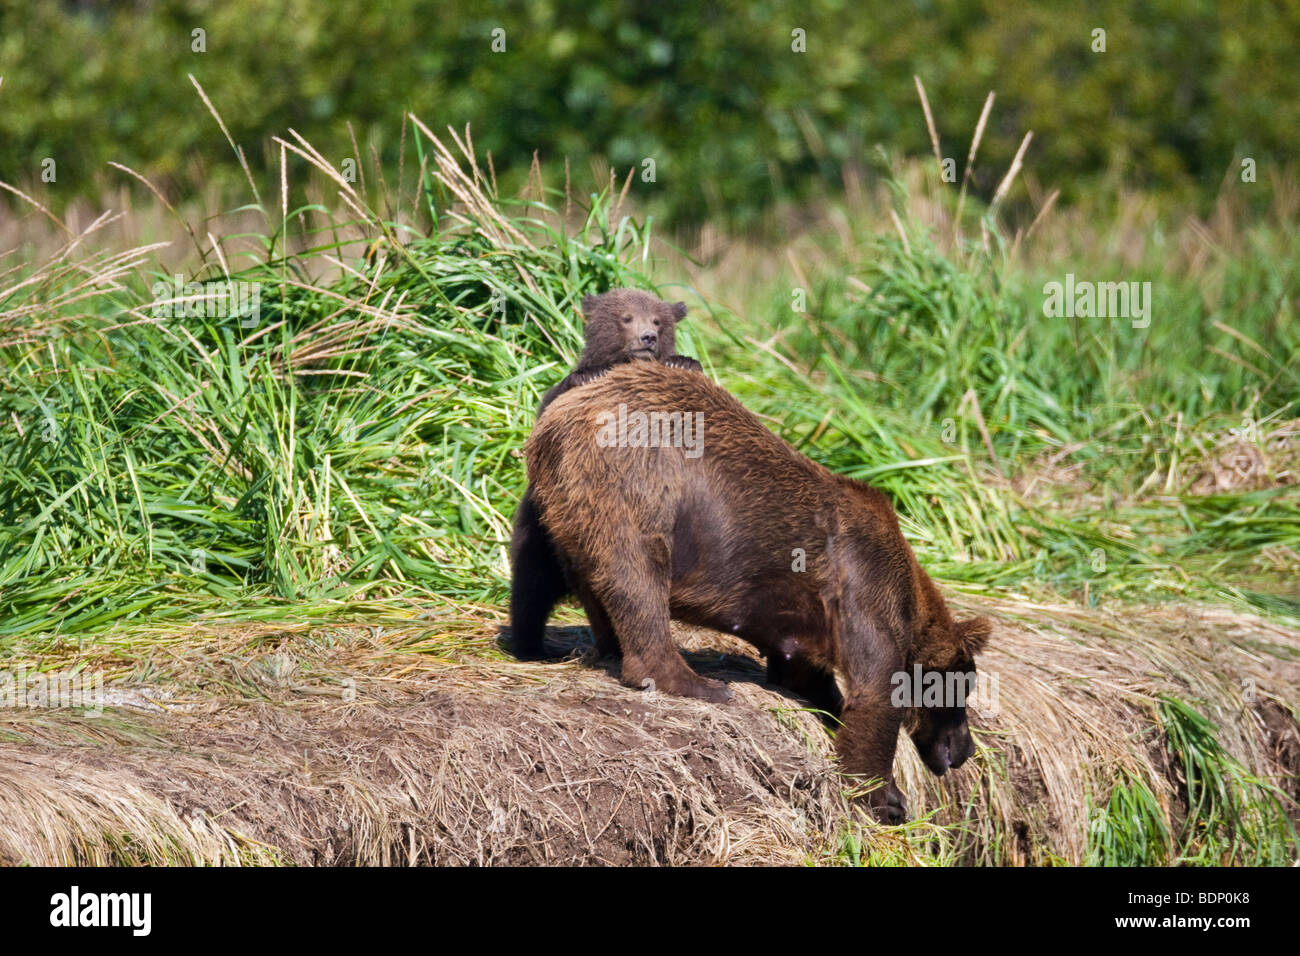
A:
[589,302]
[972,634]
[679,311]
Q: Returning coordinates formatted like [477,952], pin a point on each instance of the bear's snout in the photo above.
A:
[951,748]
[649,339]
[957,746]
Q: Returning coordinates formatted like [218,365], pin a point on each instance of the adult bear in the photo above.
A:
[668,499]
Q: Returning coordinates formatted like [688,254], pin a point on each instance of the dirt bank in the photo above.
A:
[421,743]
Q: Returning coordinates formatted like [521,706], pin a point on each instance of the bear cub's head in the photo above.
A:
[624,325]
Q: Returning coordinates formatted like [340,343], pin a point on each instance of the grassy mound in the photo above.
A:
[409,759]
[415,740]
[1123,501]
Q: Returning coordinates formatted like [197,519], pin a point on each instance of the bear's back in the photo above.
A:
[730,429]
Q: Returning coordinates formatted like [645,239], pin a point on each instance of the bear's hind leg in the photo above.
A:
[536,581]
[634,591]
[601,628]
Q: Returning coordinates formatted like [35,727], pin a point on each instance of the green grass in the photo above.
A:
[1232,817]
[362,441]
[1130,830]
[356,444]
[942,384]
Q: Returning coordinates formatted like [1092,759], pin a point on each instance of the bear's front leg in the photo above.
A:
[683,361]
[866,745]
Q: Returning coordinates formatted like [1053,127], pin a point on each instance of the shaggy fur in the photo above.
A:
[650,533]
[622,325]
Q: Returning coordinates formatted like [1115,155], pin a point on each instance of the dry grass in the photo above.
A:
[1266,455]
[416,741]
[1078,695]
[260,756]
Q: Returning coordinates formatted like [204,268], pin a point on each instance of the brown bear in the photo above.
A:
[622,325]
[737,531]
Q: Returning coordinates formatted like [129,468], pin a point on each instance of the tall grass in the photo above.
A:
[1084,457]
[359,441]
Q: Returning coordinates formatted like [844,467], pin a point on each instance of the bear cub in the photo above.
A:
[624,325]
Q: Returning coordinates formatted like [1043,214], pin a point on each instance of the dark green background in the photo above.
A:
[711,91]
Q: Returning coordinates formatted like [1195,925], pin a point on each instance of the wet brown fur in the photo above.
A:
[622,326]
[651,534]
